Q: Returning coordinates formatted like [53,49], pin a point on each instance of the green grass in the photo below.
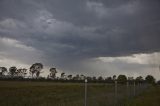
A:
[151,97]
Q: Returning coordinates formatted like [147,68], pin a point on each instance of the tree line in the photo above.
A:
[36,69]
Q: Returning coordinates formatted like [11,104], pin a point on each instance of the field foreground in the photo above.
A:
[150,97]
[14,93]
[51,94]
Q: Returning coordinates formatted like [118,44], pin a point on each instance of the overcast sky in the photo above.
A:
[90,37]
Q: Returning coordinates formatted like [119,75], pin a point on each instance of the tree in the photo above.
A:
[82,77]
[77,77]
[158,82]
[3,70]
[69,77]
[100,78]
[22,72]
[62,75]
[150,79]
[94,78]
[36,69]
[37,74]
[139,79]
[53,72]
[109,79]
[13,71]
[114,77]
[122,79]
[88,78]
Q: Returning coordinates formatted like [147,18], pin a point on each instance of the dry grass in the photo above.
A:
[14,93]
[151,97]
[53,94]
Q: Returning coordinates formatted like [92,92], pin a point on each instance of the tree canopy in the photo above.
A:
[122,79]
[150,79]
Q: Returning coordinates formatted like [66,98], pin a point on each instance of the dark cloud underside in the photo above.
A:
[73,30]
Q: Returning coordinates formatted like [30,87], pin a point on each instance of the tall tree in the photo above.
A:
[69,77]
[62,75]
[109,79]
[139,79]
[94,78]
[22,72]
[53,72]
[114,77]
[82,77]
[36,69]
[13,71]
[100,78]
[150,79]
[122,79]
[3,70]
[77,77]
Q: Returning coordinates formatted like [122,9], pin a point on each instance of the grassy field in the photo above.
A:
[14,93]
[151,97]
[51,94]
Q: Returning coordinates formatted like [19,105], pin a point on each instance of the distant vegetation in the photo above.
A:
[34,72]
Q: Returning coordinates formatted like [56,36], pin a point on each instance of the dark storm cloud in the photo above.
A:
[73,30]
